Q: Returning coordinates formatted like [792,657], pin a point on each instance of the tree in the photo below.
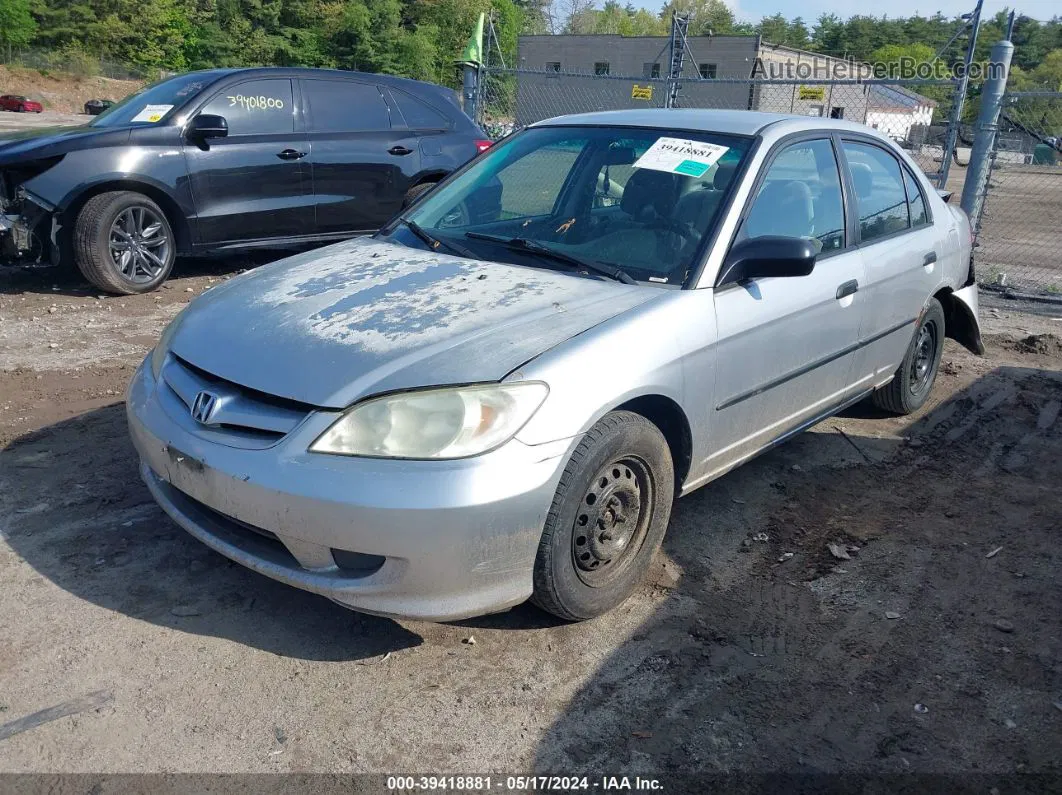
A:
[17,25]
[706,16]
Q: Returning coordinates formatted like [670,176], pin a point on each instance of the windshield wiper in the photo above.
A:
[534,247]
[434,242]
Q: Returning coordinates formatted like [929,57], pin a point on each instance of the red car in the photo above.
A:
[20,104]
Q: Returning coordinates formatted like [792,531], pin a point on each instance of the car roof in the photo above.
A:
[736,122]
[305,71]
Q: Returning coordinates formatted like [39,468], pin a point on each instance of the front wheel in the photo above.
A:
[607,519]
[123,243]
[910,386]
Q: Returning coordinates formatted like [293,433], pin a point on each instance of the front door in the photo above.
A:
[253,184]
[786,345]
[363,158]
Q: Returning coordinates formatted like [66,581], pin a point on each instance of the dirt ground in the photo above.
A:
[62,93]
[929,641]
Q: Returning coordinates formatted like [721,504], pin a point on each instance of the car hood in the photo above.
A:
[366,316]
[16,145]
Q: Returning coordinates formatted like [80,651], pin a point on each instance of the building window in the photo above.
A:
[836,112]
[650,70]
[708,71]
[553,66]
[601,67]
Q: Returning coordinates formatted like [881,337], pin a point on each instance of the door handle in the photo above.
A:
[929,258]
[290,154]
[399,150]
[847,289]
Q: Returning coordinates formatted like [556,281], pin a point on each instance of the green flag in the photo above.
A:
[474,49]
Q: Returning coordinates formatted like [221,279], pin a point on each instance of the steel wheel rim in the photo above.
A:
[612,521]
[139,244]
[924,358]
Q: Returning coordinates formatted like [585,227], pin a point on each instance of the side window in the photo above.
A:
[915,200]
[801,197]
[880,195]
[531,185]
[417,114]
[345,106]
[258,107]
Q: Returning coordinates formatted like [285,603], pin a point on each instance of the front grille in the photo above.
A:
[241,416]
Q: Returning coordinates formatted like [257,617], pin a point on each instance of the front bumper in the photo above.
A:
[456,538]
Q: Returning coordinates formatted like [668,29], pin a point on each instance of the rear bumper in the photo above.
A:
[451,539]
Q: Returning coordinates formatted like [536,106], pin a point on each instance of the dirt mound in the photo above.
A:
[1037,344]
[62,92]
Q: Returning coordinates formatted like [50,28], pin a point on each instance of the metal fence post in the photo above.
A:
[973,190]
[470,90]
[960,98]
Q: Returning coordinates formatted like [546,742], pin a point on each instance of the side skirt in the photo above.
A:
[795,430]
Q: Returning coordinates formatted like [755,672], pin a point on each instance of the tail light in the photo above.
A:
[482,146]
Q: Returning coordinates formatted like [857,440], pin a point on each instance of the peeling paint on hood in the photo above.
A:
[330,326]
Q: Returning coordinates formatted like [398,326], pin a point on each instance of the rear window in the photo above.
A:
[345,106]
[418,115]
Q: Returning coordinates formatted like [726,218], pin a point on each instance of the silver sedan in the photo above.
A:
[499,395]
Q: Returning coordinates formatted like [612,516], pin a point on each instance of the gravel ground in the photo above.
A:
[929,641]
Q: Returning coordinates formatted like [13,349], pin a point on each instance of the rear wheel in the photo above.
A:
[123,243]
[608,517]
[913,381]
[416,192]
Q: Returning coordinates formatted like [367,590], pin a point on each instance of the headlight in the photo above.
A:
[162,347]
[454,422]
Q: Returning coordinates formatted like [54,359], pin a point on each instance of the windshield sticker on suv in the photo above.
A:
[152,113]
[680,156]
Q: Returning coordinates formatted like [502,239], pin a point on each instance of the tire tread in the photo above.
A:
[545,594]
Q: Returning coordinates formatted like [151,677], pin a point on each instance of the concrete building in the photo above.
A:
[572,74]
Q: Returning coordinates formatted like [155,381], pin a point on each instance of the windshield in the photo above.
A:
[637,200]
[153,104]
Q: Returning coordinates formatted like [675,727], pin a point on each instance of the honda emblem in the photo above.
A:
[203,407]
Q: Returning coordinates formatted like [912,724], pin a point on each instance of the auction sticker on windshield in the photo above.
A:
[680,156]
[152,113]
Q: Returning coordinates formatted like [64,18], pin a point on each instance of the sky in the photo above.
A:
[753,10]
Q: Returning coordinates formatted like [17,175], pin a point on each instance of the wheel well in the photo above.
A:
[959,324]
[669,417]
[178,222]
[429,176]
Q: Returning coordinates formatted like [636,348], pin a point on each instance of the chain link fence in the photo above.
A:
[914,113]
[74,61]
[1019,235]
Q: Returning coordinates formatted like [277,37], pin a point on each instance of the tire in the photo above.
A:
[625,459]
[104,234]
[913,381]
[416,192]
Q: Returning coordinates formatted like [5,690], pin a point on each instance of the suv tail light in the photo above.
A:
[482,146]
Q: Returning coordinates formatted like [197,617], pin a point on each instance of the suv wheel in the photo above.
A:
[416,192]
[913,381]
[123,243]
[608,517]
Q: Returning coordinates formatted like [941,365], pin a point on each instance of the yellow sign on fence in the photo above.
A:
[813,92]
[642,92]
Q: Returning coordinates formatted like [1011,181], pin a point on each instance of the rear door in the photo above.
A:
[363,159]
[902,254]
[253,184]
[787,345]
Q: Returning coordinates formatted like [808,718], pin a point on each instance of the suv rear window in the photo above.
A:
[418,115]
[345,106]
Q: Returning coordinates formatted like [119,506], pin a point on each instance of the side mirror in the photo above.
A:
[206,126]
[768,256]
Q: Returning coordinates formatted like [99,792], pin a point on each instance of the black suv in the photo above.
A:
[225,159]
